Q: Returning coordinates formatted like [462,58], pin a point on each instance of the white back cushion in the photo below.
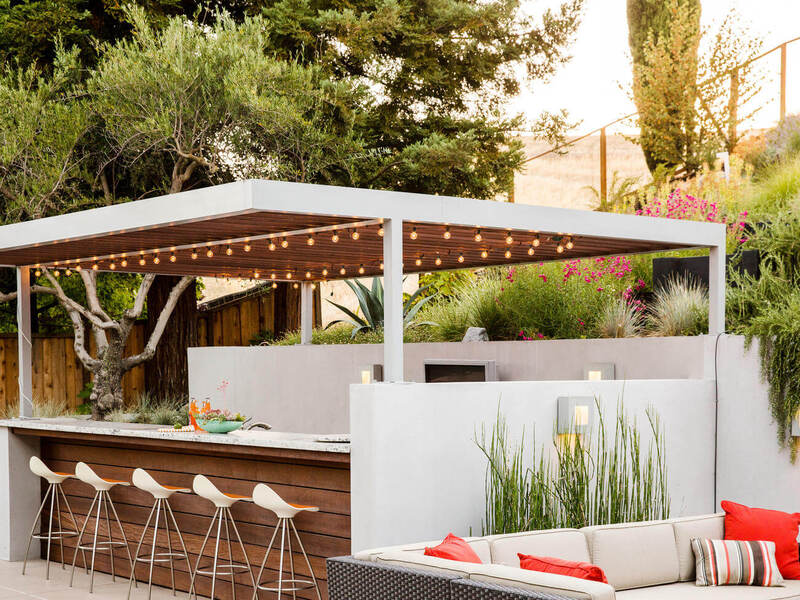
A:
[686,528]
[415,560]
[634,555]
[479,545]
[569,544]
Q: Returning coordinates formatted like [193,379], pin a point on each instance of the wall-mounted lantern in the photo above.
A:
[370,374]
[575,414]
[599,372]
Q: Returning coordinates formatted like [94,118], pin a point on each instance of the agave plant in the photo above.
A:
[370,302]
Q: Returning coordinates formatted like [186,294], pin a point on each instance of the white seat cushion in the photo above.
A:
[571,587]
[689,591]
[634,555]
[686,528]
[569,544]
[479,545]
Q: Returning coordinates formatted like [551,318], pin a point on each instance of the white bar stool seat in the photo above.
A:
[222,516]
[161,493]
[101,486]
[265,497]
[55,494]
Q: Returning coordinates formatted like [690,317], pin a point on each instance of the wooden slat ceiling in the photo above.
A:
[425,248]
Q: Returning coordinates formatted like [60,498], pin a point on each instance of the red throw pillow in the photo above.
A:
[548,564]
[454,548]
[756,524]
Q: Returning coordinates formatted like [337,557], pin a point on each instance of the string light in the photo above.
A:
[247,246]
[335,237]
[272,276]
[78,268]
[461,258]
[156,259]
[508,254]
[308,274]
[570,243]
[536,241]
[342,271]
[355,235]
[209,252]
[95,267]
[57,273]
[68,272]
[124,261]
[381,266]
[288,274]
[256,275]
[484,254]
[413,235]
[380,231]
[446,234]
[274,285]
[438,260]
[509,238]
[361,269]
[313,286]
[172,258]
[560,248]
[112,266]
[531,251]
[141,260]
[478,236]
[284,243]
[324,272]
[418,262]
[38,273]
[229,250]
[310,240]
[295,285]
[271,246]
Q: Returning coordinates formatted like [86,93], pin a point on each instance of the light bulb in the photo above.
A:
[446,234]
[381,266]
[335,237]
[509,238]
[284,243]
[295,285]
[68,272]
[271,246]
[508,254]
[536,241]
[308,274]
[156,260]
[57,273]
[570,244]
[124,262]
[272,276]
[288,274]
[274,285]
[361,270]
[355,235]
[78,267]
[560,249]
[413,235]
[484,254]
[209,252]
[229,250]
[342,271]
[478,236]
[313,286]
[247,247]
[95,267]
[310,240]
[461,258]
[38,273]
[112,266]
[256,275]
[380,231]
[173,258]
[141,261]
[438,261]
[531,251]
[324,272]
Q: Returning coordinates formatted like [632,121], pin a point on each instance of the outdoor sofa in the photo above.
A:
[642,561]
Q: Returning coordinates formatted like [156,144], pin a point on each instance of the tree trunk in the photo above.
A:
[167,373]
[107,382]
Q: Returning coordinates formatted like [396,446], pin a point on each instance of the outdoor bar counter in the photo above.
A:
[298,467]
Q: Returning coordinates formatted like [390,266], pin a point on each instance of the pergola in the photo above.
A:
[303,234]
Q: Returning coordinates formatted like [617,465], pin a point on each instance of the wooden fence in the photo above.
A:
[58,375]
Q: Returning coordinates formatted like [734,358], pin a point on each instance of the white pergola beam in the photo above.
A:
[393,300]
[24,342]
[306,312]
[717,271]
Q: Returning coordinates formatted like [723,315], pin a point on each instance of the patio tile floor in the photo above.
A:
[32,585]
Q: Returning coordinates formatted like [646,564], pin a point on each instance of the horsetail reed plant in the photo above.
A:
[592,479]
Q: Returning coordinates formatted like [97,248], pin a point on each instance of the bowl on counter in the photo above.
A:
[219,426]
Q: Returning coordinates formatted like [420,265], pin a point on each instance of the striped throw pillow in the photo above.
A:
[732,562]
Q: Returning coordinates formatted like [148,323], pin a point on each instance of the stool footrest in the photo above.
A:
[208,569]
[298,585]
[161,557]
[56,535]
[106,545]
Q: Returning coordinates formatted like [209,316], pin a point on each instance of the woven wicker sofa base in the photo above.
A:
[351,579]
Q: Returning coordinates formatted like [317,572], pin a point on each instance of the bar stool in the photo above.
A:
[265,497]
[101,497]
[161,493]
[53,493]
[223,502]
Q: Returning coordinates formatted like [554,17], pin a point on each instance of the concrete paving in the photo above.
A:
[32,585]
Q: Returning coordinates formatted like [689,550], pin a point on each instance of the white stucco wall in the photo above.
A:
[418,475]
[305,388]
[20,495]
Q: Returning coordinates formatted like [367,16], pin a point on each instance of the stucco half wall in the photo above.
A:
[305,388]
[417,473]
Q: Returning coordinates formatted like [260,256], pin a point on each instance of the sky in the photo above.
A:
[589,86]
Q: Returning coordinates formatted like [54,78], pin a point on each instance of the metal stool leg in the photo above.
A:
[75,524]
[244,552]
[33,527]
[200,554]
[80,538]
[264,562]
[308,562]
[124,537]
[139,547]
[180,538]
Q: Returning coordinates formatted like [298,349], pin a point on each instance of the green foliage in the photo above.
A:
[146,409]
[592,479]
[342,334]
[776,189]
[444,284]
[619,318]
[370,302]
[768,309]
[680,308]
[41,126]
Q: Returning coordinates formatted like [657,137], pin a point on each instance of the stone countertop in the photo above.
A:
[258,438]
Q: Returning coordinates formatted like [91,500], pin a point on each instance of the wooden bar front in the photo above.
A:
[300,476]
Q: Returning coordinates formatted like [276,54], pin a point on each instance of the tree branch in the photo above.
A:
[89,278]
[141,296]
[161,323]
[8,297]
[71,306]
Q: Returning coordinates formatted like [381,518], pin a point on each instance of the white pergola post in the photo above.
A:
[24,342]
[393,300]
[306,312]
[716,288]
